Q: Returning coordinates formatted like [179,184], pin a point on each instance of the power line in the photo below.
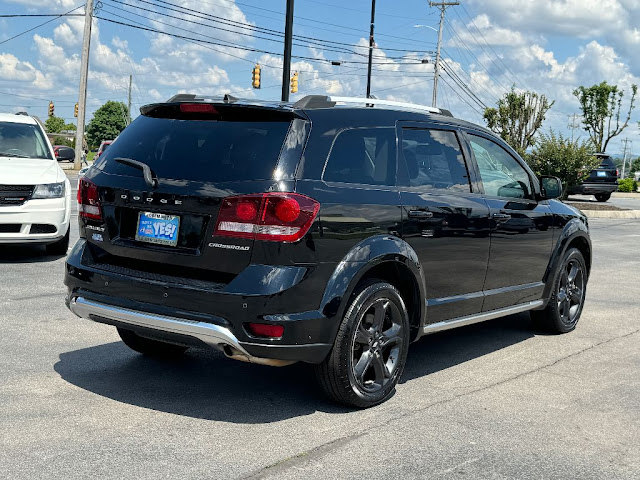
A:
[35,15]
[514,76]
[475,57]
[465,88]
[460,96]
[40,25]
[240,47]
[330,45]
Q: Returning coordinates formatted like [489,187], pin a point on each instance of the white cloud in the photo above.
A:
[11,68]
[489,34]
[612,21]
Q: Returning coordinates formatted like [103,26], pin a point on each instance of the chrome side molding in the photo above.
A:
[480,317]
[216,336]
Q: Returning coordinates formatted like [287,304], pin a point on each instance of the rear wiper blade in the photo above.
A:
[149,177]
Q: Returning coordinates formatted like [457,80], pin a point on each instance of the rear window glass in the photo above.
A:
[607,162]
[200,150]
[22,140]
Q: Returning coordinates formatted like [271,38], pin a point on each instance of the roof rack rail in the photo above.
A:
[327,101]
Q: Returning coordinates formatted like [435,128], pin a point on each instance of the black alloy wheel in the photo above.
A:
[370,349]
[564,308]
[376,345]
[570,294]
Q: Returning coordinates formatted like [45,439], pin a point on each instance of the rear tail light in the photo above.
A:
[265,330]
[617,173]
[284,217]
[88,200]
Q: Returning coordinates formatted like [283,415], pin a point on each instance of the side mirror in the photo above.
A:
[550,187]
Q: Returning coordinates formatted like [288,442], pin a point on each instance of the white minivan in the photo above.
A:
[35,194]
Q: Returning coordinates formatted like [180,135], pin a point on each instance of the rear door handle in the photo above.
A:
[420,214]
[501,217]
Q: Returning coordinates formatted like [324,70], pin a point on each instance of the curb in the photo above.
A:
[625,195]
[612,213]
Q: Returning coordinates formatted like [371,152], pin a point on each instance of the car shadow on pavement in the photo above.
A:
[26,254]
[440,351]
[204,384]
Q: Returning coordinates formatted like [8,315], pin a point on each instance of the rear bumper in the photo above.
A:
[185,315]
[594,188]
[17,222]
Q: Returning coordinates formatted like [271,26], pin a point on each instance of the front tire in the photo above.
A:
[602,197]
[563,311]
[147,346]
[370,350]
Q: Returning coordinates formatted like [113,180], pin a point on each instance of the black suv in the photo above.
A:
[602,181]
[332,231]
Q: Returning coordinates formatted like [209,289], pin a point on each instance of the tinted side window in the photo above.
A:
[363,155]
[501,174]
[434,159]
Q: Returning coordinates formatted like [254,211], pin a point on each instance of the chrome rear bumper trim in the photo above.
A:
[211,334]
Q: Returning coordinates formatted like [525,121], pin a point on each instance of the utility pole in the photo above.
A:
[573,125]
[371,43]
[129,101]
[82,95]
[626,142]
[286,64]
[443,6]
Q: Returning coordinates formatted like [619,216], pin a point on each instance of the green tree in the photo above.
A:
[62,141]
[635,166]
[601,105]
[518,117]
[107,122]
[70,126]
[571,161]
[54,124]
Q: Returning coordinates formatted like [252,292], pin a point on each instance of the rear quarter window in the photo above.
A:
[199,150]
[363,155]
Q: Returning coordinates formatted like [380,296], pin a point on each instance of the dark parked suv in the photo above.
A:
[602,181]
[332,231]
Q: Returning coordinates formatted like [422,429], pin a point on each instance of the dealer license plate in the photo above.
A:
[158,228]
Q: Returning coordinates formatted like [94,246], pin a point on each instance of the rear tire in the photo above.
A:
[61,246]
[602,197]
[370,349]
[147,346]
[563,311]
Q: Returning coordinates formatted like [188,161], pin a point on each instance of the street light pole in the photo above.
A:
[82,95]
[436,72]
[286,64]
[371,43]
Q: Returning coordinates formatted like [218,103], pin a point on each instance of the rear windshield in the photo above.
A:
[200,150]
[22,140]
[607,162]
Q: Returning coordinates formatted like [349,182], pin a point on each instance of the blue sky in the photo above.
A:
[550,47]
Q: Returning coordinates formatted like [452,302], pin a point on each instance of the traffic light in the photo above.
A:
[255,76]
[75,110]
[51,108]
[294,83]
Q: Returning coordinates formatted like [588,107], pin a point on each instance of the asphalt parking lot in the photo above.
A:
[494,400]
